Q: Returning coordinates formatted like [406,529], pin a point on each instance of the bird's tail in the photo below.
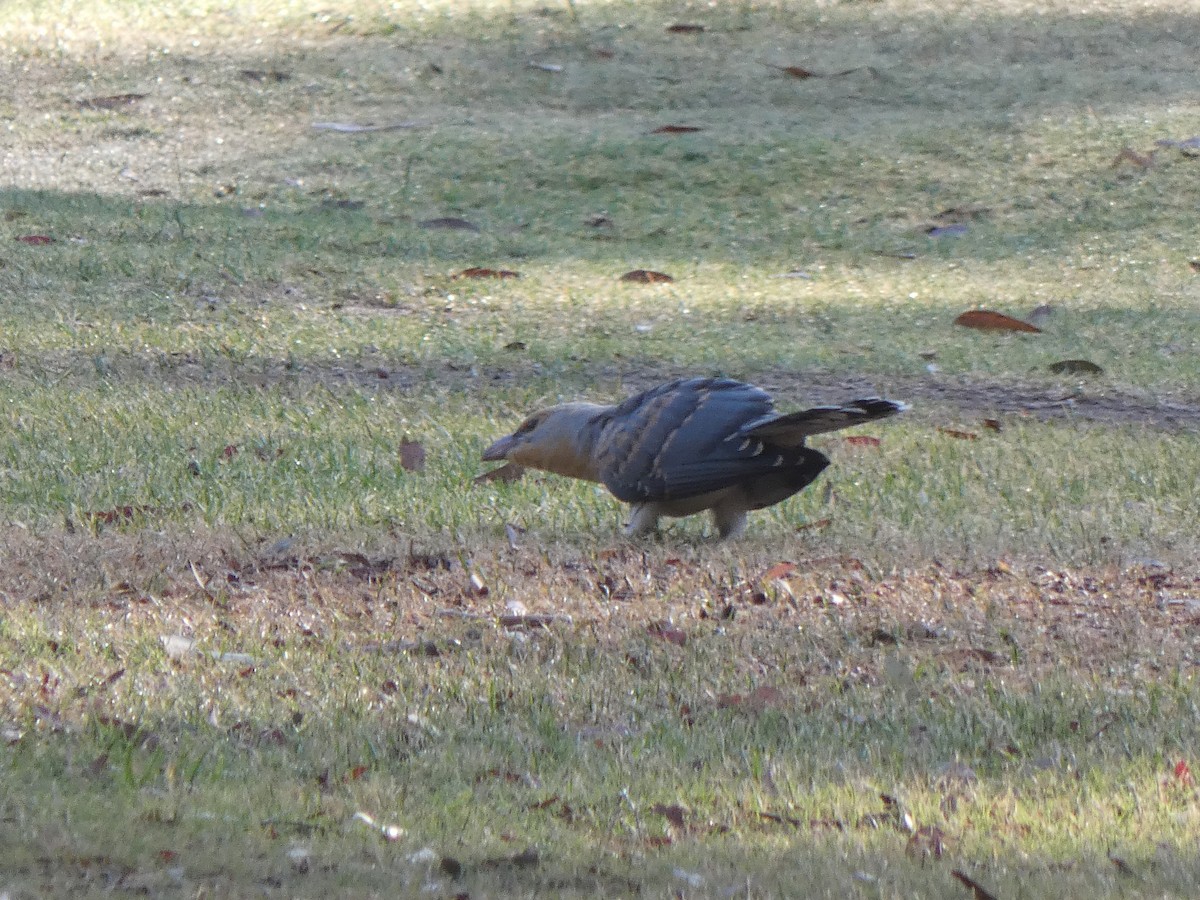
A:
[791,429]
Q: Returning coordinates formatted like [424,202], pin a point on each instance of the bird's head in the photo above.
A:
[557,439]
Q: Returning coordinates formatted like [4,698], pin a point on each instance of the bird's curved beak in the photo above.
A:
[500,449]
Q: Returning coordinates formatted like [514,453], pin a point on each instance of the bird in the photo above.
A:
[684,447]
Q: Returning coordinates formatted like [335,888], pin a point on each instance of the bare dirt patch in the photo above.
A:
[1090,400]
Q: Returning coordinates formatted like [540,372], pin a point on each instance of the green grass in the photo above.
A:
[206,377]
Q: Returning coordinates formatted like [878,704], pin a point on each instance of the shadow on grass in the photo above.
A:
[1003,126]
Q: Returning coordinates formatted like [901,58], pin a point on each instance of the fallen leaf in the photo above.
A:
[928,840]
[354,128]
[1076,367]
[507,472]
[1183,774]
[992,424]
[667,632]
[114,102]
[779,570]
[450,867]
[477,272]
[967,211]
[1131,156]
[536,620]
[126,513]
[1123,867]
[272,75]
[761,698]
[676,129]
[815,525]
[412,456]
[36,240]
[341,203]
[794,71]
[515,345]
[862,440]
[986,320]
[646,276]
[978,891]
[526,859]
[961,435]
[673,813]
[684,28]
[449,223]
[958,229]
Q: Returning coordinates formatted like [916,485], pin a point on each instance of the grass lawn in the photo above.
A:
[263,634]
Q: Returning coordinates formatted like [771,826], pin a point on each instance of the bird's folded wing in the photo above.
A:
[682,439]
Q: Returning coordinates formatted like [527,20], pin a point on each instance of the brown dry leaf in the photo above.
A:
[1131,156]
[646,276]
[449,223]
[676,129]
[958,229]
[526,859]
[796,71]
[779,570]
[673,813]
[667,632]
[478,272]
[412,456]
[1123,867]
[986,320]
[961,435]
[815,525]
[978,891]
[684,28]
[862,440]
[992,424]
[36,240]
[1195,264]
[928,840]
[507,472]
[114,102]
[1076,367]
[761,698]
[263,75]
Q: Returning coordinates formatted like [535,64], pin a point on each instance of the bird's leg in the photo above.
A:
[643,519]
[730,522]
